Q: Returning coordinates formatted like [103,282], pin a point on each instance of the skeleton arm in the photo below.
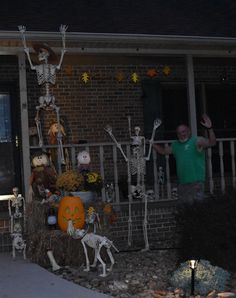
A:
[108,129]
[157,123]
[63,29]
[22,30]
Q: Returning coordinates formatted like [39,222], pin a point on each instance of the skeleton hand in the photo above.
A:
[70,228]
[157,123]
[108,129]
[63,51]
[26,50]
[22,29]
[206,121]
[63,29]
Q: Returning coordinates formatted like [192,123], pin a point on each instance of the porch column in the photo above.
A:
[24,125]
[191,95]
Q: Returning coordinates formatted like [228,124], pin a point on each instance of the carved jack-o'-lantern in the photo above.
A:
[71,208]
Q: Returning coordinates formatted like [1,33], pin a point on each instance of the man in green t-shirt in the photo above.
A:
[190,160]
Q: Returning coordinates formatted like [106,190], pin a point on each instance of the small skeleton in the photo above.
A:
[109,192]
[174,193]
[46,76]
[96,242]
[160,179]
[92,218]
[16,207]
[18,243]
[137,166]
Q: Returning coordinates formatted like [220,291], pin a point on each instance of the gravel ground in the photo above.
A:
[135,274]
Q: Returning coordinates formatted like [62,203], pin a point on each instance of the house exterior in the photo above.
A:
[168,59]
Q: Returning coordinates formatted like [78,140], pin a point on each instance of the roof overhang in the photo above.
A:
[138,44]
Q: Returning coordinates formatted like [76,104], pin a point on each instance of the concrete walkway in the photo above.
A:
[22,279]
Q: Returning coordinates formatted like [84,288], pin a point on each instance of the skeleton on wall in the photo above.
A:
[46,76]
[137,168]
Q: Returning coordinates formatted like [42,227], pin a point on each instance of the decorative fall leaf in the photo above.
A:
[135,77]
[69,70]
[85,77]
[166,70]
[120,76]
[152,72]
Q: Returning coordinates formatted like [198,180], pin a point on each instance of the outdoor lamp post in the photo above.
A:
[193,265]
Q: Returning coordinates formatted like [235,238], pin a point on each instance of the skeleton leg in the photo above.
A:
[130,222]
[39,128]
[24,251]
[95,258]
[111,259]
[145,225]
[11,225]
[86,256]
[102,262]
[59,136]
[13,250]
[52,260]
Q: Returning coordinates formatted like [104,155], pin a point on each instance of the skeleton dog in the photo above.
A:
[96,242]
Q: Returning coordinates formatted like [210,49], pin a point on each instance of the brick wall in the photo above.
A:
[88,107]
[161,226]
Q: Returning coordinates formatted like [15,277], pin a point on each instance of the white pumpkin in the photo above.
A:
[83,158]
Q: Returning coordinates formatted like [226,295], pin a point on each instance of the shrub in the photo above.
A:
[209,231]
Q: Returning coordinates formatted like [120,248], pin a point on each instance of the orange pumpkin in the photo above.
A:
[71,208]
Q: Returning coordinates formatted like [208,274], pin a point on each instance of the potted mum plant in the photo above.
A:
[86,185]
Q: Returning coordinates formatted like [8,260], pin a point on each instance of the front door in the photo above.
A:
[10,162]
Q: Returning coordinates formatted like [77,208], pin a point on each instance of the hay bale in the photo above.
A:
[66,250]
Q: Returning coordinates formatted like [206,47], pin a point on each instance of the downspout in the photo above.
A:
[191,95]
[24,125]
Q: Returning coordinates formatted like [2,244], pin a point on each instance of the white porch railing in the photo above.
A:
[107,159]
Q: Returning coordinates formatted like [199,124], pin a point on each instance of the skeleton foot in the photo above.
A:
[110,269]
[145,249]
[103,275]
[86,269]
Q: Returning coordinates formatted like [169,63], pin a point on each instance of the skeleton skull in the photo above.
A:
[43,54]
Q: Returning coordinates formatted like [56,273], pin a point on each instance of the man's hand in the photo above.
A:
[206,122]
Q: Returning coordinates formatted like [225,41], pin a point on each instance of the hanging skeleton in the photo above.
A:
[136,164]
[46,76]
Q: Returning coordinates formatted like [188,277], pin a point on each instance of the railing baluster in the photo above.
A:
[210,175]
[117,194]
[232,153]
[222,177]
[73,158]
[156,184]
[168,184]
[128,168]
